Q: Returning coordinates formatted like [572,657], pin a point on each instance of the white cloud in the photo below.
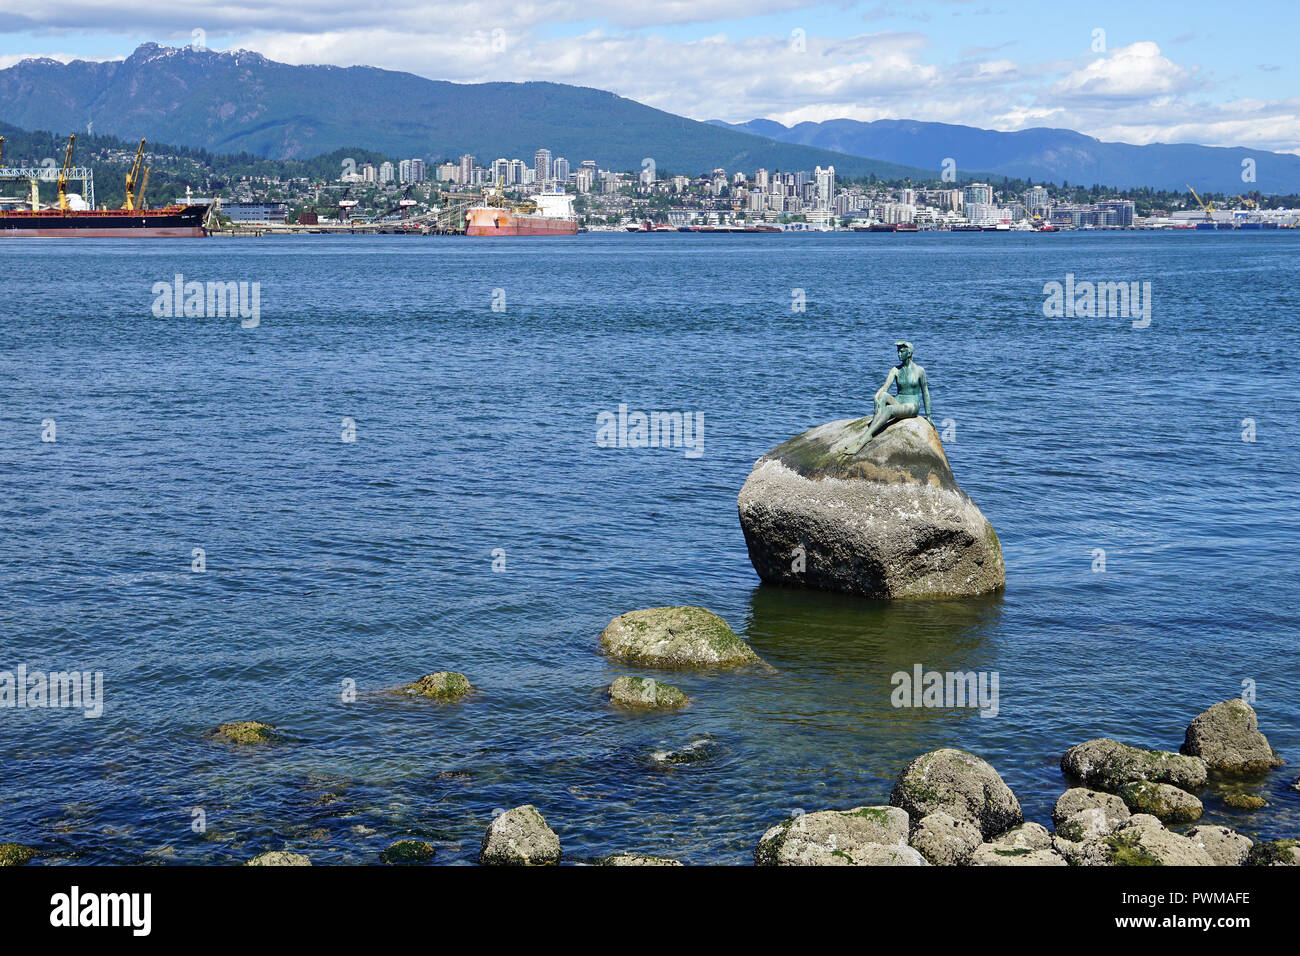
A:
[1134,72]
[1134,93]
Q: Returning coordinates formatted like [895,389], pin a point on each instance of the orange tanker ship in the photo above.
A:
[547,214]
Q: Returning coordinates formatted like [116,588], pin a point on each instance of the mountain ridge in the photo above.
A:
[240,101]
[1043,154]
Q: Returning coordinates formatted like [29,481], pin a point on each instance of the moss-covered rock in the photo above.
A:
[1275,853]
[1144,842]
[839,838]
[1167,804]
[16,854]
[636,859]
[887,521]
[1228,739]
[645,693]
[245,732]
[408,851]
[675,638]
[520,837]
[960,784]
[1107,764]
[1244,801]
[279,858]
[441,685]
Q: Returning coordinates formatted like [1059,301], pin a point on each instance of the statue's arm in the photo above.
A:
[925,394]
[889,380]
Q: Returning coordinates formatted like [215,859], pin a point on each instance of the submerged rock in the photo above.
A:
[863,836]
[675,638]
[1245,801]
[279,858]
[408,851]
[701,748]
[1108,764]
[945,841]
[1167,804]
[16,854]
[441,685]
[1225,847]
[887,522]
[636,859]
[245,732]
[520,837]
[644,693]
[1228,739]
[962,785]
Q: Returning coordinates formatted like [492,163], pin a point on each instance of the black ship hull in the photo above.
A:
[174,222]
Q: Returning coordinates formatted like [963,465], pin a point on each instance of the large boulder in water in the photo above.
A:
[1227,738]
[887,521]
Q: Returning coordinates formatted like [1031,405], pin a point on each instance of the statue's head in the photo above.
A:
[904,350]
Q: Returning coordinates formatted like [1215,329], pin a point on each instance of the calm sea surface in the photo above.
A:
[372,561]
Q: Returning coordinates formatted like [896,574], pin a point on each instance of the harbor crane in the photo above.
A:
[63,174]
[136,179]
[1208,210]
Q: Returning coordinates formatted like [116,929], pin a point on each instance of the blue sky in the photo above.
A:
[1175,72]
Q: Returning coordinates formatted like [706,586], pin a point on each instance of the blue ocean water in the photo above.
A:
[371,561]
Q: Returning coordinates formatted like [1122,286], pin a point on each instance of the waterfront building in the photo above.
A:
[977,194]
[542,165]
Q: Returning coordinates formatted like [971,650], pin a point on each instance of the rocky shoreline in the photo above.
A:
[947,807]
[950,808]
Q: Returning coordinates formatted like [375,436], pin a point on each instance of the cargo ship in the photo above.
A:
[172,222]
[74,218]
[546,214]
